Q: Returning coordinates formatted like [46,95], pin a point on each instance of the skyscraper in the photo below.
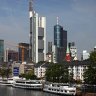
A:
[60,41]
[23,52]
[85,55]
[60,36]
[1,50]
[10,55]
[49,47]
[37,35]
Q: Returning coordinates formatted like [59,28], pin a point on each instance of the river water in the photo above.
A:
[10,91]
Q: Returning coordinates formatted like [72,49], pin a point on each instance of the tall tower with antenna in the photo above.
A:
[57,20]
[60,41]
[37,46]
[31,15]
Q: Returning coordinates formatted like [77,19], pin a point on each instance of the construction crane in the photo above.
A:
[19,46]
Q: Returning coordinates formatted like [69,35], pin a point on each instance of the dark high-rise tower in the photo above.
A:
[49,47]
[1,50]
[60,41]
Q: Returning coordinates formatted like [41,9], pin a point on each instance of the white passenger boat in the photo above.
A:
[28,84]
[57,88]
[7,81]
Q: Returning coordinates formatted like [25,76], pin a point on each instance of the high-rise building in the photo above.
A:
[60,36]
[49,47]
[11,55]
[23,51]
[54,54]
[37,35]
[1,50]
[60,41]
[85,55]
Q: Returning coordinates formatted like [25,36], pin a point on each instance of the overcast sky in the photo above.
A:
[78,17]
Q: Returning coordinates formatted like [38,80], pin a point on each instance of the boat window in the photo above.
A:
[49,89]
[57,90]
[61,90]
[19,82]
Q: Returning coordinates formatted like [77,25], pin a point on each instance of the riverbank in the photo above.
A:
[79,93]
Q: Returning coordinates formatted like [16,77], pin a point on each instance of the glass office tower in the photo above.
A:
[60,41]
[1,50]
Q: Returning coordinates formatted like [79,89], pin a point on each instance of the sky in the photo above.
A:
[78,17]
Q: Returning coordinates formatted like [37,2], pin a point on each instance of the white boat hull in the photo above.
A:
[24,85]
[62,90]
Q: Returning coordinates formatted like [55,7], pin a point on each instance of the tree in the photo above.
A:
[93,58]
[90,73]
[5,71]
[57,73]
[29,75]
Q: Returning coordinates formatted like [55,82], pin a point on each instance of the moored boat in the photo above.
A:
[7,81]
[62,89]
[28,84]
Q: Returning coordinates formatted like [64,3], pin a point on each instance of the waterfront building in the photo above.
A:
[15,69]
[1,50]
[60,41]
[40,70]
[77,68]
[21,68]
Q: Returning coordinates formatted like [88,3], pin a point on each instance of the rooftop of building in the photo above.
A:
[73,63]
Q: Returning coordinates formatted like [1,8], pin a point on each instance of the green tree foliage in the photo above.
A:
[90,73]
[57,73]
[5,71]
[29,75]
[93,58]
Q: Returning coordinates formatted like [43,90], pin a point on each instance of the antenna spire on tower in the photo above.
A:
[30,5]
[57,20]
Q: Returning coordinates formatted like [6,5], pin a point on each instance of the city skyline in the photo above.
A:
[76,16]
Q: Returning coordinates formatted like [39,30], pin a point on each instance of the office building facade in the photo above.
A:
[73,51]
[49,47]
[1,50]
[23,51]
[10,55]
[37,35]
[39,39]
[60,41]
[85,55]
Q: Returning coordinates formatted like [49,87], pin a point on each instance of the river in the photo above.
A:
[10,91]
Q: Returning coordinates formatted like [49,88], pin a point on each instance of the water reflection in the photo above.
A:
[10,91]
